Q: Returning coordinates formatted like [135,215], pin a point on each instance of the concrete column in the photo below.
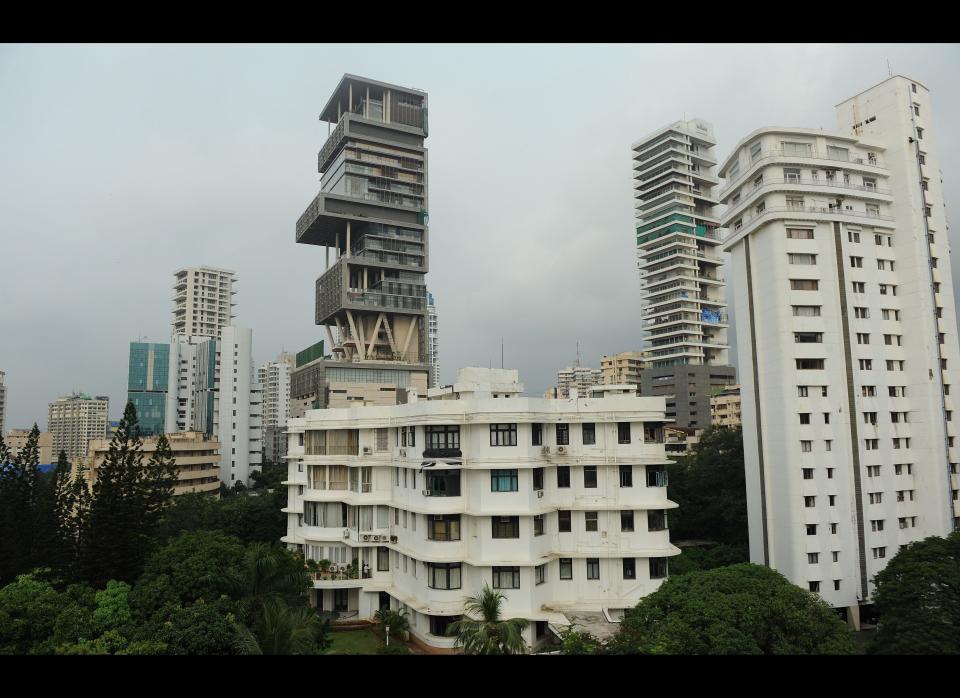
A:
[327,248]
[347,250]
[366,105]
[365,286]
[350,96]
[338,244]
[853,617]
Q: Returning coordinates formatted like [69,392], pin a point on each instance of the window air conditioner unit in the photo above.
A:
[561,449]
[427,493]
[393,539]
[366,450]
[540,494]
[366,537]
[346,533]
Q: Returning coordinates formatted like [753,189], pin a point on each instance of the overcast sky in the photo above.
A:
[120,164]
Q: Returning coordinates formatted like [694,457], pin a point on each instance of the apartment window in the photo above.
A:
[919,133]
[626,521]
[829,473]
[868,390]
[811,529]
[876,497]
[590,476]
[503,434]
[809,502]
[873,471]
[563,476]
[872,444]
[738,224]
[922,158]
[828,443]
[856,262]
[806,446]
[538,525]
[658,567]
[443,527]
[800,234]
[503,480]
[626,476]
[806,311]
[808,472]
[629,568]
[589,431]
[563,434]
[540,574]
[804,284]
[623,432]
[808,337]
[802,259]
[537,430]
[879,553]
[832,500]
[833,528]
[861,313]
[506,577]
[814,586]
[802,391]
[754,154]
[383,560]
[593,568]
[866,364]
[913,86]
[810,364]
[538,478]
[859,286]
[443,436]
[853,236]
[563,521]
[506,526]
[804,417]
[876,525]
[590,519]
[813,558]
[566,568]
[870,418]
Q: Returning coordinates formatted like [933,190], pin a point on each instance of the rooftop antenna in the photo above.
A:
[501,352]
[889,72]
[578,354]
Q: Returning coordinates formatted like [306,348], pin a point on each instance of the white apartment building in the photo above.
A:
[577,377]
[433,340]
[74,421]
[559,504]
[848,338]
[238,407]
[274,379]
[203,301]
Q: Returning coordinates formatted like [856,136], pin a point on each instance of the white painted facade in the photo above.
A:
[203,301]
[374,501]
[238,407]
[274,379]
[74,421]
[433,340]
[847,341]
[578,378]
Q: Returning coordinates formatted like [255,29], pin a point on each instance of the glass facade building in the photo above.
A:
[147,385]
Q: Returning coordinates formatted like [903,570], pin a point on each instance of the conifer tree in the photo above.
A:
[18,481]
[160,477]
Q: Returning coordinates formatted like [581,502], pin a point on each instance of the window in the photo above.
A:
[626,521]
[876,497]
[814,586]
[811,529]
[791,174]
[506,577]
[629,568]
[868,390]
[861,313]
[829,473]
[873,471]
[866,364]
[802,391]
[919,133]
[503,434]
[537,431]
[804,284]
[794,148]
[808,473]
[813,558]
[799,234]
[827,443]
[755,153]
[383,559]
[656,476]
[589,432]
[566,568]
[806,311]
[626,476]
[563,476]
[563,521]
[809,502]
[590,476]
[503,480]
[443,527]
[922,158]
[443,437]
[563,434]
[872,444]
[808,337]
[859,286]
[590,522]
[806,446]
[810,364]
[876,525]
[538,525]
[879,553]
[802,259]
[506,526]
[540,574]
[870,418]
[832,499]
[853,236]
[658,567]
[538,478]
[856,262]
[804,417]
[593,568]
[623,432]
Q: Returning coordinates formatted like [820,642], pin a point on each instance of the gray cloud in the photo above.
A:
[119,164]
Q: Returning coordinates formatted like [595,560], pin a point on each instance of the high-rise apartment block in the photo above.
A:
[678,240]
[561,505]
[580,377]
[203,301]
[147,385]
[624,368]
[237,416]
[433,341]
[3,402]
[74,421]
[274,379]
[848,334]
[372,213]
[725,407]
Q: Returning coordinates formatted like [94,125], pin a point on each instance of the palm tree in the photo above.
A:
[268,572]
[280,629]
[489,634]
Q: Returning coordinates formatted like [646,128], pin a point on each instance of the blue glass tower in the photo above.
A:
[147,385]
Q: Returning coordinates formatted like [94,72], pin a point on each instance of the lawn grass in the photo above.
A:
[353,642]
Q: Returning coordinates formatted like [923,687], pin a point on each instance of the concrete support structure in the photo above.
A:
[846,319]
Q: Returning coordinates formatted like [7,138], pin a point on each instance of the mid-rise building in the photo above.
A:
[74,421]
[274,379]
[678,239]
[196,454]
[433,341]
[203,301]
[372,213]
[147,384]
[624,367]
[16,439]
[559,504]
[579,377]
[3,402]
[725,407]
[848,334]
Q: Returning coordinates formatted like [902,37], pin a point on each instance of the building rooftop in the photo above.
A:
[342,91]
[793,130]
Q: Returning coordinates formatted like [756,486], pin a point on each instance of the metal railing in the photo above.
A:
[748,218]
[832,183]
[812,155]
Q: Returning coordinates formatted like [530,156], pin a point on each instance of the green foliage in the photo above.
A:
[20,508]
[29,608]
[397,621]
[574,641]
[251,518]
[393,648]
[481,630]
[282,629]
[696,558]
[710,488]
[918,599]
[740,609]
[199,628]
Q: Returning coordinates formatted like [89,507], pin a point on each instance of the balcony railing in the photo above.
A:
[812,155]
[442,453]
[832,183]
[748,218]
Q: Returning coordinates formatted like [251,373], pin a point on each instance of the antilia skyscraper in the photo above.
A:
[678,241]
[371,214]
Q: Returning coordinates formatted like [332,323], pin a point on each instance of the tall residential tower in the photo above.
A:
[147,385]
[848,334]
[75,420]
[684,310]
[203,301]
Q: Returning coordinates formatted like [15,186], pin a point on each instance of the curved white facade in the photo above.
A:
[377,502]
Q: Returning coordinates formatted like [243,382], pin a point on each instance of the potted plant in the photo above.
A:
[312,568]
[324,566]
